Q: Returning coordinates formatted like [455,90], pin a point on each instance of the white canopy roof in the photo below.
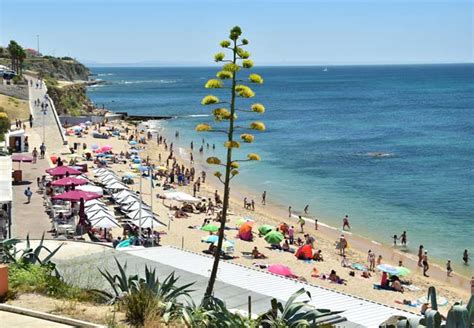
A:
[148,222]
[100,214]
[91,188]
[104,222]
[95,208]
[181,197]
[6,179]
[116,185]
[123,193]
[93,202]
[135,206]
[128,200]
[135,215]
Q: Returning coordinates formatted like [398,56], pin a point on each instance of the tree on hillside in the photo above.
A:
[239,59]
[17,56]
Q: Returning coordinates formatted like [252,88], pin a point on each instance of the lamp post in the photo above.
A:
[44,115]
[150,173]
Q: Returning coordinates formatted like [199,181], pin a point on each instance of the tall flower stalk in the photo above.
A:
[227,79]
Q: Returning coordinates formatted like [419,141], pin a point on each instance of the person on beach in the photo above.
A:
[420,255]
[289,211]
[449,269]
[371,260]
[35,155]
[379,260]
[342,245]
[256,254]
[42,150]
[395,238]
[465,257]
[306,209]
[301,222]
[291,234]
[403,238]
[31,121]
[252,205]
[315,224]
[264,196]
[28,194]
[345,223]
[426,266]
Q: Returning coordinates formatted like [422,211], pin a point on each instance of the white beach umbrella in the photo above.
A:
[181,197]
[129,200]
[135,215]
[123,193]
[104,222]
[100,214]
[92,202]
[116,185]
[108,178]
[100,171]
[135,206]
[148,222]
[95,208]
[91,188]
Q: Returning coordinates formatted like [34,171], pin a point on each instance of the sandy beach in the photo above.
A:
[179,234]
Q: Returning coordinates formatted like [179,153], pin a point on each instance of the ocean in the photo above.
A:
[390,146]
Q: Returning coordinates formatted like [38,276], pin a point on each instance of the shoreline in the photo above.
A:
[275,210]
[183,233]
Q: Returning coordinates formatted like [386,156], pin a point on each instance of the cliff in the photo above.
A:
[58,68]
[70,99]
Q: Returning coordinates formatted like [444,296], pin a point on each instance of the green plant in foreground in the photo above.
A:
[294,314]
[239,58]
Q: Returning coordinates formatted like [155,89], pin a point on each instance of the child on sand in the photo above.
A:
[301,222]
[449,270]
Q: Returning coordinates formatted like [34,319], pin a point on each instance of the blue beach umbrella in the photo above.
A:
[210,239]
[388,269]
[101,155]
[137,161]
[95,146]
[133,143]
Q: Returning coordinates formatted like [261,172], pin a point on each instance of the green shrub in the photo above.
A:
[139,305]
[4,124]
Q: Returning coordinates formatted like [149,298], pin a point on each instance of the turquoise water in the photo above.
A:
[391,146]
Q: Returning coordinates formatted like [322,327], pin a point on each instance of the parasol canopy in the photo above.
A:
[91,188]
[387,268]
[210,228]
[181,197]
[274,237]
[21,158]
[76,195]
[241,221]
[281,270]
[62,170]
[104,222]
[69,181]
[264,229]
[210,239]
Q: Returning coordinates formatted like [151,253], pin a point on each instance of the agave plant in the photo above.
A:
[120,283]
[461,315]
[213,313]
[28,256]
[294,314]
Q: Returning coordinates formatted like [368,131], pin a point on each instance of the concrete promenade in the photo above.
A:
[13,320]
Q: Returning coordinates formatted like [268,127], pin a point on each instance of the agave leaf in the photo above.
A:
[51,254]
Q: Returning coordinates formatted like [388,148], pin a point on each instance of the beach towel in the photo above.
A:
[359,266]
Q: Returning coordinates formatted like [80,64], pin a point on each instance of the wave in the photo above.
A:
[147,81]
[377,154]
[105,74]
[197,115]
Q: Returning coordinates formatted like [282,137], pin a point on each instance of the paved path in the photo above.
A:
[51,134]
[13,320]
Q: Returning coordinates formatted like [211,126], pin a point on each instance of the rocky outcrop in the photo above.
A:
[59,69]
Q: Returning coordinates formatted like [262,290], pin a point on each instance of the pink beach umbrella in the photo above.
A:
[281,270]
[69,181]
[62,170]
[76,195]
[21,158]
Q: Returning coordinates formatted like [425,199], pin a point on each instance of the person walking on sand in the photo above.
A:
[28,194]
[449,269]
[264,197]
[291,234]
[420,255]
[289,211]
[345,223]
[315,224]
[342,245]
[35,155]
[301,222]
[426,266]
[42,150]
[306,209]
[371,260]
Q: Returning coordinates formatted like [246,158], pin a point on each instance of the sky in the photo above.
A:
[281,32]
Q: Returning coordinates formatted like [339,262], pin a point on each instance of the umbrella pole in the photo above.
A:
[150,173]
[140,209]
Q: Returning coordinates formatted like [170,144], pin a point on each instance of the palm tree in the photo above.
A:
[239,59]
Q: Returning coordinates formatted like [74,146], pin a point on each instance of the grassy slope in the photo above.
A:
[15,108]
